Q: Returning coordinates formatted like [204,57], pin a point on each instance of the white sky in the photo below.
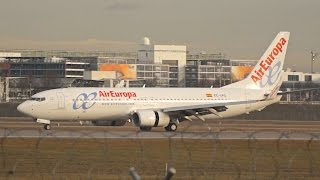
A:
[240,28]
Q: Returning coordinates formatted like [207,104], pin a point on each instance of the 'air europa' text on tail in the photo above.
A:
[265,64]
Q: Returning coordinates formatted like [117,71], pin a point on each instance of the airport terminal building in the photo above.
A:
[153,65]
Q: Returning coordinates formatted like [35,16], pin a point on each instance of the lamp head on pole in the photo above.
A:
[313,55]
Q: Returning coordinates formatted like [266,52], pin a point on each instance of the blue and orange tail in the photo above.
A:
[266,75]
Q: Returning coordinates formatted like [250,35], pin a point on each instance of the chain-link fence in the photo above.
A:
[196,151]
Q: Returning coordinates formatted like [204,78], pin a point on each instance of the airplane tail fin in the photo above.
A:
[266,74]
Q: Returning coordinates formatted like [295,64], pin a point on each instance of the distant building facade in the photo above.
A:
[207,71]
[42,67]
[172,55]
[153,65]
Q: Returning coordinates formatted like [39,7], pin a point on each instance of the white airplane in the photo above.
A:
[164,107]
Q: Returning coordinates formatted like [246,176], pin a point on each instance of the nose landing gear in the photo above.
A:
[47,127]
[45,122]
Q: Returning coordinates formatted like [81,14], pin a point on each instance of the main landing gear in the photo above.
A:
[171,127]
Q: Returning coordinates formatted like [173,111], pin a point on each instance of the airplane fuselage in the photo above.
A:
[118,103]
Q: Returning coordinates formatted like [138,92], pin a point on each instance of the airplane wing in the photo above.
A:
[183,112]
[213,105]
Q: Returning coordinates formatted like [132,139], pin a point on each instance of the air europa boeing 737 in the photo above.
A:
[164,107]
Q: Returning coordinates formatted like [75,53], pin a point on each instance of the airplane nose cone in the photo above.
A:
[20,108]
[23,108]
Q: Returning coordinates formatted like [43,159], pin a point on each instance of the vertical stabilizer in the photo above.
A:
[266,74]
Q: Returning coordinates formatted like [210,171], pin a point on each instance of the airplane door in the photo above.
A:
[61,100]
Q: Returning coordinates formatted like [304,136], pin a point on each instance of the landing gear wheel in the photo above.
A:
[145,128]
[47,127]
[171,127]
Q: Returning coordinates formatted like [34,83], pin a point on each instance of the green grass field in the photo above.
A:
[193,159]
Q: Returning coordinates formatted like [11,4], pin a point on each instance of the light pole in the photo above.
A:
[293,73]
[313,57]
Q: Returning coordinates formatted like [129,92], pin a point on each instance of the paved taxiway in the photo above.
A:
[34,133]
[215,129]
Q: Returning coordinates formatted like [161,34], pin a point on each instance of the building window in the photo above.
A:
[164,74]
[148,74]
[156,74]
[164,68]
[203,75]
[148,68]
[210,69]
[140,74]
[174,69]
[170,62]
[156,68]
[203,69]
[140,68]
[293,77]
[307,78]
[174,75]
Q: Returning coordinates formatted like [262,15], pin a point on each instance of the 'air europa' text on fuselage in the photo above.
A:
[265,64]
[117,94]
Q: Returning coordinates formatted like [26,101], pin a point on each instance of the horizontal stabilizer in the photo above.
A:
[298,90]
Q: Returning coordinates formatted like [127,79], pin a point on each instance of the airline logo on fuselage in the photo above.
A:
[267,64]
[117,94]
[85,101]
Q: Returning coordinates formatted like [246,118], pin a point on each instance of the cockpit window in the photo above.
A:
[38,99]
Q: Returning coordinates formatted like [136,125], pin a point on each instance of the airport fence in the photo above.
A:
[196,151]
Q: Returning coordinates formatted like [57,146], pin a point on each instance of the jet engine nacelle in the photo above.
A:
[149,118]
